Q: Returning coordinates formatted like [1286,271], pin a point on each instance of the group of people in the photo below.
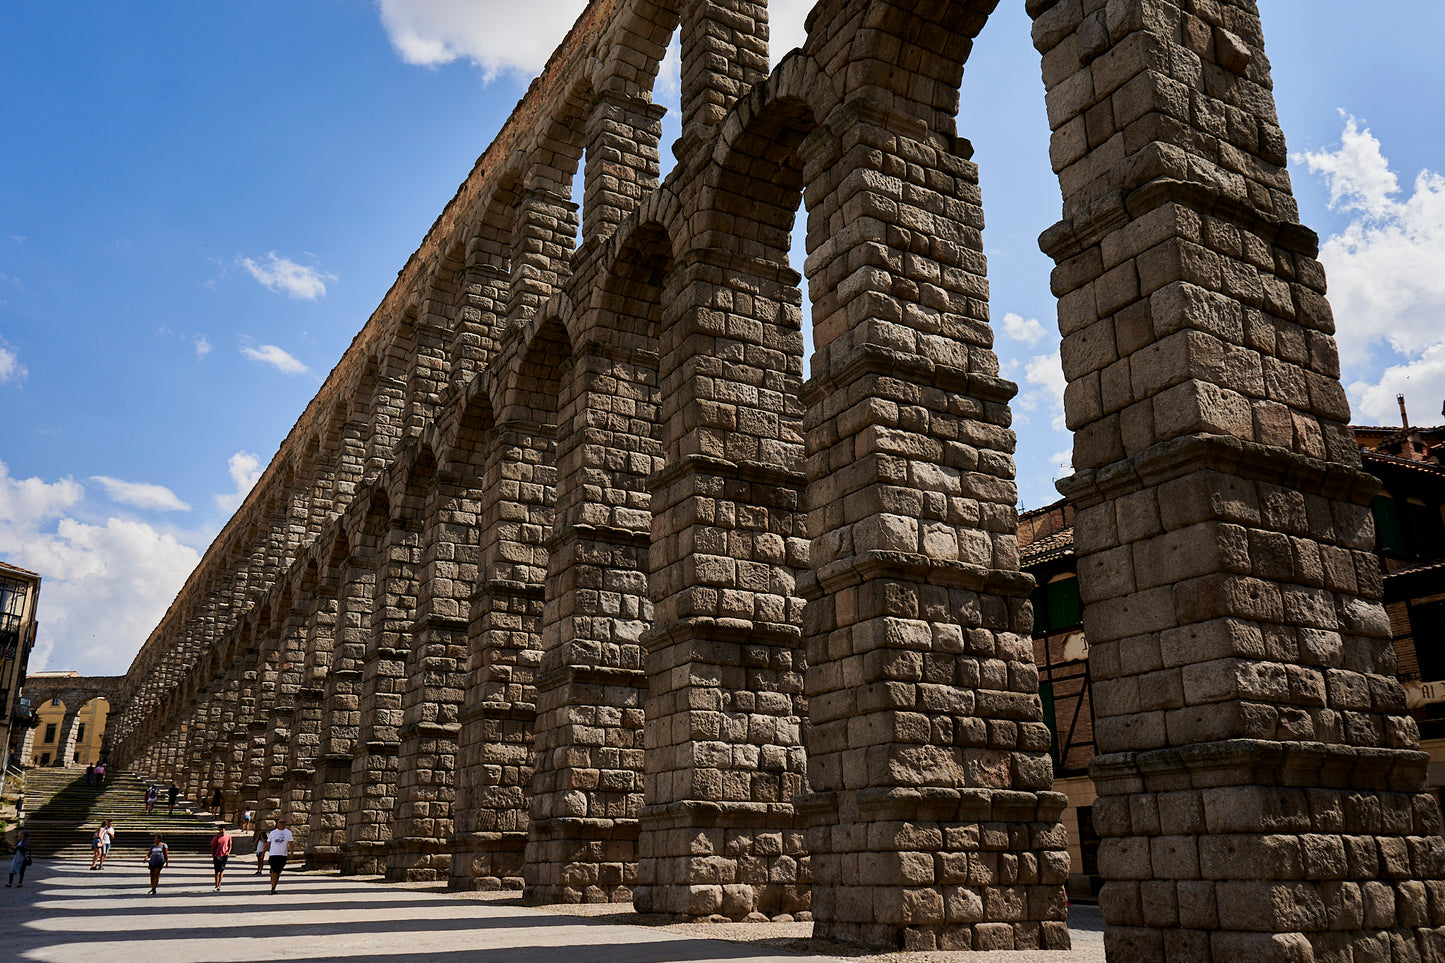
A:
[153,795]
[95,773]
[276,845]
[100,842]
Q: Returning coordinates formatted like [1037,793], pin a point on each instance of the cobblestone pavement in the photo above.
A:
[66,913]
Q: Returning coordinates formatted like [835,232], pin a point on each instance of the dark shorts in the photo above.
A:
[220,863]
[278,863]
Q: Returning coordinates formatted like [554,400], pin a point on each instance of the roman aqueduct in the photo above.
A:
[568,580]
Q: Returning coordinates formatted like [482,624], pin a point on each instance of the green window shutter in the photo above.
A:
[1064,610]
[1424,529]
[1388,526]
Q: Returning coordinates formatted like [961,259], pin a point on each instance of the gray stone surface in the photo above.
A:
[67,914]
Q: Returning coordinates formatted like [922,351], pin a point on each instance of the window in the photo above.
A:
[1408,528]
[1056,605]
[49,732]
[55,701]
[1389,529]
[80,733]
[1427,626]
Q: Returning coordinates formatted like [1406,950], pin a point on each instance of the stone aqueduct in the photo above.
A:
[567,579]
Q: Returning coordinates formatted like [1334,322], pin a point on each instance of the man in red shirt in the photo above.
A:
[220,852]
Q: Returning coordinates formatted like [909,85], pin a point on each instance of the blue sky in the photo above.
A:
[200,204]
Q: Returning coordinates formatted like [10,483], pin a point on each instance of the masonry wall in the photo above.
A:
[582,589]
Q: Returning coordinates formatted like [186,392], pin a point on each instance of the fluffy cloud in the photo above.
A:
[495,35]
[1421,381]
[1046,373]
[283,275]
[503,37]
[1019,328]
[106,584]
[276,357]
[1386,271]
[142,494]
[203,346]
[11,370]
[245,469]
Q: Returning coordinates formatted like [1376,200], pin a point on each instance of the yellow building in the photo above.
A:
[52,745]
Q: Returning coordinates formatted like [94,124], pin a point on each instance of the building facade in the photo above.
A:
[19,600]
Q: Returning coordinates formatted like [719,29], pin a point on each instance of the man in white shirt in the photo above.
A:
[279,841]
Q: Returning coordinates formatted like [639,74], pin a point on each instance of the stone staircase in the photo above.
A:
[61,813]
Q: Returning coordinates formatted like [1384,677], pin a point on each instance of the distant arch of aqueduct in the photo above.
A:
[567,579]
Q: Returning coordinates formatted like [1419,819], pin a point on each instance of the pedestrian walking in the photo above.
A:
[95,839]
[90,774]
[152,794]
[246,817]
[260,851]
[21,859]
[157,859]
[107,836]
[100,773]
[216,801]
[280,845]
[220,852]
[173,793]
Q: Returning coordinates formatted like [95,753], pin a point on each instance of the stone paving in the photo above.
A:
[67,913]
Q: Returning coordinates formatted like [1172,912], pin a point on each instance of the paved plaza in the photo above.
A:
[67,913]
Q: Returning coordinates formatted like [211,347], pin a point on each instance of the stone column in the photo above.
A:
[306,739]
[543,240]
[1261,788]
[621,160]
[435,683]
[341,710]
[725,757]
[931,823]
[494,772]
[282,718]
[374,757]
[483,307]
[724,53]
[587,788]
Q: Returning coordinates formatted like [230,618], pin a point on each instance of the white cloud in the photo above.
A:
[1386,273]
[1358,175]
[276,357]
[245,469]
[785,26]
[496,35]
[1421,381]
[203,346]
[1046,371]
[504,37]
[283,275]
[1017,327]
[106,585]
[11,370]
[142,494]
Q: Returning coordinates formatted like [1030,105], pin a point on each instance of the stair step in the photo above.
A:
[61,814]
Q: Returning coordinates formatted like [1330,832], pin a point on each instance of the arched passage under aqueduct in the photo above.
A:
[77,694]
[595,595]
